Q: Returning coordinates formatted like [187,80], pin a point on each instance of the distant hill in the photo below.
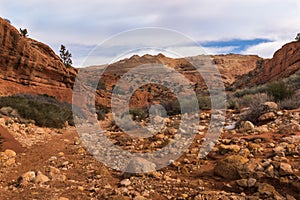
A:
[231,67]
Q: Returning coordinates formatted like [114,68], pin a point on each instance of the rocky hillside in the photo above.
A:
[29,66]
[285,62]
[250,162]
[231,67]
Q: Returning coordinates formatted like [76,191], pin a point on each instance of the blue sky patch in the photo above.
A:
[238,44]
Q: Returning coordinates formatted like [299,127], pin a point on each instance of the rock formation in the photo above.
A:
[285,62]
[29,66]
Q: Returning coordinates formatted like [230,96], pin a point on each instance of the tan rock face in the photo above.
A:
[28,66]
[231,66]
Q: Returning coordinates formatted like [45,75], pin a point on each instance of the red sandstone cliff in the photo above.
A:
[285,62]
[28,66]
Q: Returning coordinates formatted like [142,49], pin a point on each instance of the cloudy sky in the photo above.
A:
[219,26]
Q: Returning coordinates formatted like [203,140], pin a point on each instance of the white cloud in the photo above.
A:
[205,19]
[218,50]
[265,50]
[89,23]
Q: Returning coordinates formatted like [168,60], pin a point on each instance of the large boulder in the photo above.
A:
[267,117]
[262,113]
[270,106]
[140,165]
[289,128]
[268,191]
[228,168]
[285,169]
[247,126]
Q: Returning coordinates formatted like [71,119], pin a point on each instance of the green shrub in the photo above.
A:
[140,113]
[253,114]
[294,80]
[247,91]
[65,56]
[44,110]
[204,102]
[101,111]
[23,32]
[253,100]
[232,103]
[291,103]
[279,90]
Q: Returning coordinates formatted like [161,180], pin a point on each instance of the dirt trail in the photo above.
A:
[9,142]
[55,152]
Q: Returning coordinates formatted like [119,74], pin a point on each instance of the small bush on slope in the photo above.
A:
[279,90]
[44,110]
[291,103]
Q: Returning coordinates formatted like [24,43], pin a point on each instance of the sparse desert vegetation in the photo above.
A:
[43,110]
[251,152]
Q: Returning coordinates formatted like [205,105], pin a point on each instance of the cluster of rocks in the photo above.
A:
[268,118]
[54,174]
[269,150]
[247,157]
[7,158]
[242,164]
[250,175]
[27,134]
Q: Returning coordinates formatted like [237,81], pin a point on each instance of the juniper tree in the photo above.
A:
[297,37]
[65,55]
[24,32]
